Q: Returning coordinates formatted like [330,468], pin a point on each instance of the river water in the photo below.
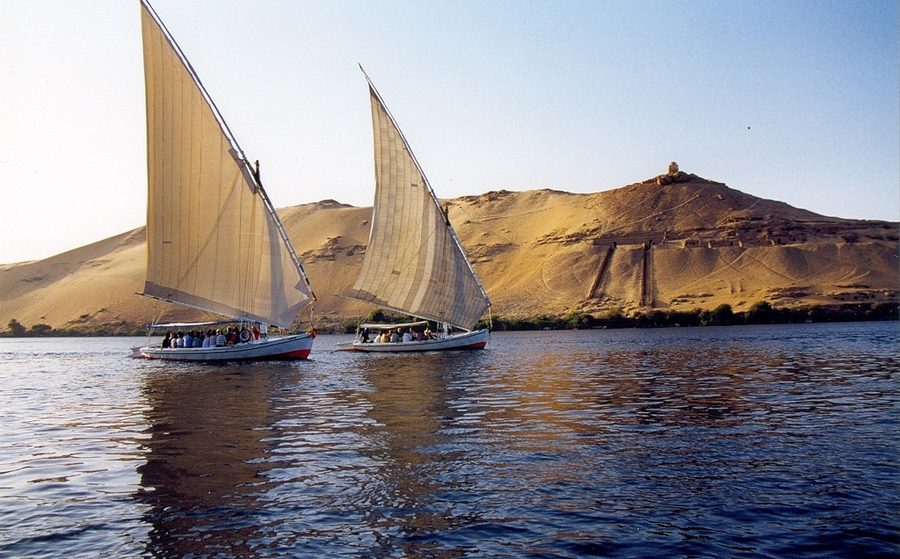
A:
[768,441]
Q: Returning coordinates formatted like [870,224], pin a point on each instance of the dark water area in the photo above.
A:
[767,441]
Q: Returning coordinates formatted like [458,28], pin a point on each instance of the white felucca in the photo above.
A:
[214,240]
[414,262]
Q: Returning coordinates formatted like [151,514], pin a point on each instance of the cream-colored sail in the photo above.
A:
[414,262]
[213,239]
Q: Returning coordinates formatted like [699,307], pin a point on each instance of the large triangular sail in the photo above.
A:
[414,262]
[214,241]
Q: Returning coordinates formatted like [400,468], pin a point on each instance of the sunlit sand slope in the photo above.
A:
[672,242]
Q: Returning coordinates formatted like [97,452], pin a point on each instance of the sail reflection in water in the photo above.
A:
[550,441]
[206,451]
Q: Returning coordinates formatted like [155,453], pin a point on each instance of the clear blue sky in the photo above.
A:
[793,101]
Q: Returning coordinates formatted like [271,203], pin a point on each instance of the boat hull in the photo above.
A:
[468,340]
[285,348]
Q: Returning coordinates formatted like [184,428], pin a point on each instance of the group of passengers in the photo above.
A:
[220,337]
[398,335]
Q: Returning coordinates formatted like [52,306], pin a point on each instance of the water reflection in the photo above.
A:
[410,492]
[368,465]
[563,444]
[205,457]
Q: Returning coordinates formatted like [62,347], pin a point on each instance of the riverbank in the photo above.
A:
[723,315]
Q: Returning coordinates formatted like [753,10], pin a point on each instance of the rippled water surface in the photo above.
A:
[770,441]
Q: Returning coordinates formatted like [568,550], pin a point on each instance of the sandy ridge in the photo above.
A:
[691,243]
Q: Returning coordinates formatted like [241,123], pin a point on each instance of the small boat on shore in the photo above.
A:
[414,262]
[214,240]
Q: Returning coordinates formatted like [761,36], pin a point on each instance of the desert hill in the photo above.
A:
[676,241]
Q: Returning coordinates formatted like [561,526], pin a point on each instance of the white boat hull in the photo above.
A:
[467,340]
[288,347]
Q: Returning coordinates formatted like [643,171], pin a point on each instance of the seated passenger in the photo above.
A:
[407,336]
[167,341]
[220,338]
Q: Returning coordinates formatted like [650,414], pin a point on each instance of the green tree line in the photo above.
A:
[723,315]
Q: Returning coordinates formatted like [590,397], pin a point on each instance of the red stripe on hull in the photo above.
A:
[299,354]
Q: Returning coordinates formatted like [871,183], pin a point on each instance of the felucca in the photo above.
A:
[414,262]
[214,241]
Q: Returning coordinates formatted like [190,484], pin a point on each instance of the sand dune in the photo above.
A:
[671,242]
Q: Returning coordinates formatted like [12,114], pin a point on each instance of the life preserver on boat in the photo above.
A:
[245,335]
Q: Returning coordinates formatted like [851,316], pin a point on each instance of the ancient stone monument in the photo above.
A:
[673,175]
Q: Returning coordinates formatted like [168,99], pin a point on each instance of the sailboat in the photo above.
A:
[414,263]
[214,240]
